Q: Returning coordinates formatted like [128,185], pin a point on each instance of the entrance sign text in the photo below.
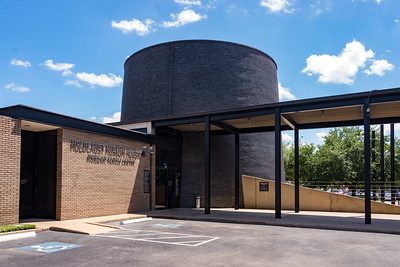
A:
[102,154]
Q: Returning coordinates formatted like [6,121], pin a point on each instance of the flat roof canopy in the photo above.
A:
[373,107]
[333,111]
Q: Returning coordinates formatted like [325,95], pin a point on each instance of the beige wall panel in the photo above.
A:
[310,199]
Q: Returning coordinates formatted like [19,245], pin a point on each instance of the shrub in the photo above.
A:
[16,227]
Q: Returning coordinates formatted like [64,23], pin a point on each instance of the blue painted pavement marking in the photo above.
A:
[49,247]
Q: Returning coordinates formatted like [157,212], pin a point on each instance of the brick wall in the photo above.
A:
[10,154]
[195,76]
[87,189]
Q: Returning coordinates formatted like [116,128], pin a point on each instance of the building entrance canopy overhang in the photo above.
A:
[331,111]
[373,107]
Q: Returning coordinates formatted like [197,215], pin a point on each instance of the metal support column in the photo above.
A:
[207,165]
[296,170]
[237,177]
[382,161]
[367,161]
[392,173]
[277,163]
[151,177]
[373,170]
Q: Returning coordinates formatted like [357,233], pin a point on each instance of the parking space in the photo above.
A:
[163,242]
[161,237]
[49,247]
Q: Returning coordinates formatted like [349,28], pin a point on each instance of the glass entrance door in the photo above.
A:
[161,177]
[167,188]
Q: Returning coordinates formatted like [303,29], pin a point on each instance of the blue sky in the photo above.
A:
[68,56]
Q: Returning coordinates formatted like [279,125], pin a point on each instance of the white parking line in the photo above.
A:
[161,237]
[136,220]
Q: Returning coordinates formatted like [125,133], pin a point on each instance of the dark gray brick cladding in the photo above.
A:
[184,77]
[187,77]
[256,159]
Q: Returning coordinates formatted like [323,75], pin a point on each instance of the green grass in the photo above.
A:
[16,227]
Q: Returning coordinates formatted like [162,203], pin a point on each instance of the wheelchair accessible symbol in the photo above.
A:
[49,247]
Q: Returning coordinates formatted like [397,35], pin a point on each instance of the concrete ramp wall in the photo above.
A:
[310,199]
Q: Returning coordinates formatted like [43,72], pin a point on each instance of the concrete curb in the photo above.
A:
[136,220]
[14,236]
[104,225]
[67,230]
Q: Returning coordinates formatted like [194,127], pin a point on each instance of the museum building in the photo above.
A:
[58,167]
[191,110]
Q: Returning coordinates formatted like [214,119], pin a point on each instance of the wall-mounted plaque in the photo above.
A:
[264,186]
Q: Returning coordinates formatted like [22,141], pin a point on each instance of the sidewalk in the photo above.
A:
[89,226]
[381,223]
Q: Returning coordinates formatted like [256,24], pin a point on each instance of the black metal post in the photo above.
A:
[167,187]
[367,161]
[382,163]
[373,170]
[237,171]
[150,182]
[277,163]
[207,154]
[296,171]
[392,173]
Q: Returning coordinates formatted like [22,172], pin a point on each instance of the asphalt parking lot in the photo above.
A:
[163,242]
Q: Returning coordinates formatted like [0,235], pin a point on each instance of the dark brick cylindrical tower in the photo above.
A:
[186,77]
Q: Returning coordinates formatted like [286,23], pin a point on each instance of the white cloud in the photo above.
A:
[185,17]
[378,1]
[321,135]
[387,128]
[396,20]
[64,67]
[188,2]
[73,83]
[67,73]
[379,67]
[93,118]
[141,28]
[110,80]
[318,7]
[339,69]
[284,93]
[286,137]
[16,88]
[233,7]
[17,62]
[276,6]
[10,85]
[114,118]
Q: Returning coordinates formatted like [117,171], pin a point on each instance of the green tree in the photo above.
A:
[339,161]
[376,166]
[306,163]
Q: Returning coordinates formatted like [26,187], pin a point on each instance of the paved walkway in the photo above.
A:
[381,223]
[88,226]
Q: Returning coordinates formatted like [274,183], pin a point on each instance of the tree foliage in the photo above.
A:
[339,161]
